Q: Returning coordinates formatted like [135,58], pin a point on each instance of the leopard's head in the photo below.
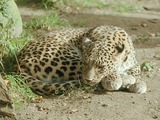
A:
[97,61]
[102,54]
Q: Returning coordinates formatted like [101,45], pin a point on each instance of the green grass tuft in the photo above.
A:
[147,66]
[11,46]
[47,4]
[46,22]
[20,92]
[86,3]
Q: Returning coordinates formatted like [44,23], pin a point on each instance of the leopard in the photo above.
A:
[70,58]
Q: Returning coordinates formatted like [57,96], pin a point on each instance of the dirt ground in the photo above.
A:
[109,105]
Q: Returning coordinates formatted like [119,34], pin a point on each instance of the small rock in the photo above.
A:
[39,108]
[144,25]
[68,118]
[134,28]
[153,21]
[38,99]
[146,8]
[157,55]
[73,111]
[64,104]
[152,34]
[150,75]
[86,97]
[155,117]
[104,105]
[85,114]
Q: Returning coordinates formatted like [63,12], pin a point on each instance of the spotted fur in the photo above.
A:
[65,59]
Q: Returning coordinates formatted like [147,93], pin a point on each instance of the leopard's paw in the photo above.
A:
[111,84]
[139,87]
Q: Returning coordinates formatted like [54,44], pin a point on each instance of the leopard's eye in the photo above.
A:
[101,66]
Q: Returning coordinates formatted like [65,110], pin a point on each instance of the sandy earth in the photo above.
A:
[118,105]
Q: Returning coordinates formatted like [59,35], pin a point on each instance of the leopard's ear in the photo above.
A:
[86,42]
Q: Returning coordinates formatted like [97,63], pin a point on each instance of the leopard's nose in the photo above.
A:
[88,80]
[89,74]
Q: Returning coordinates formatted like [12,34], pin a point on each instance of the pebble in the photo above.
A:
[157,55]
[144,25]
